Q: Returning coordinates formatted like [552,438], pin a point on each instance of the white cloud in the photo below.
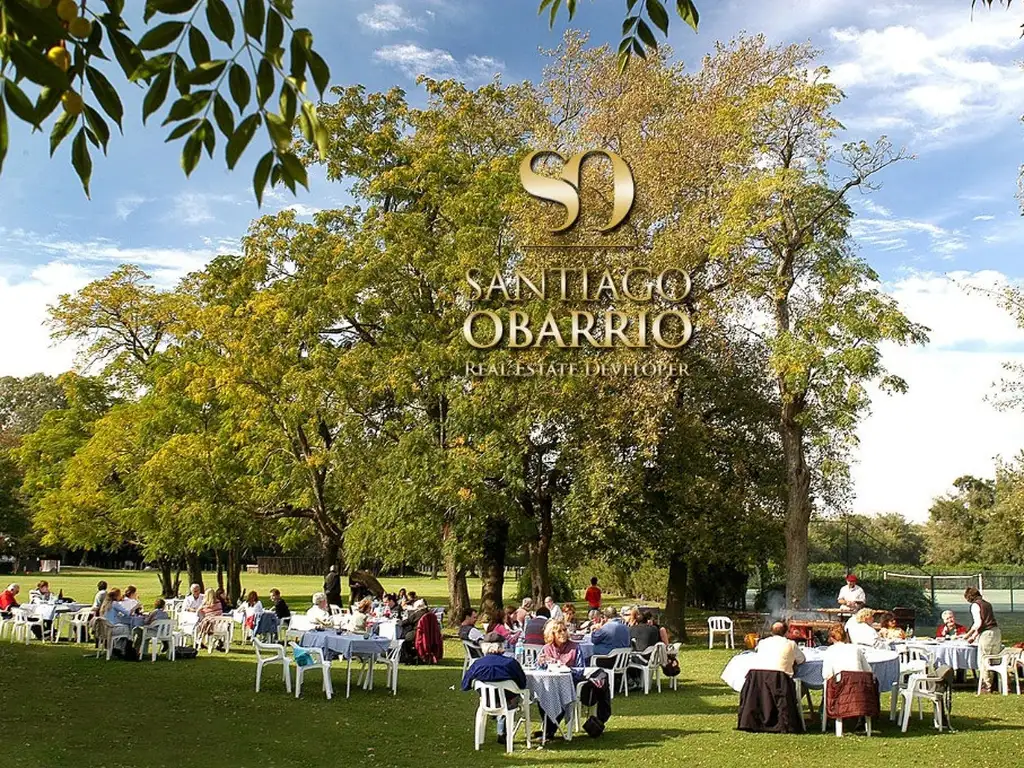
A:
[196,207]
[892,234]
[301,209]
[913,446]
[985,217]
[388,17]
[413,60]
[127,205]
[946,79]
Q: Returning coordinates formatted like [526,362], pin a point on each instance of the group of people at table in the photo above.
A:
[553,627]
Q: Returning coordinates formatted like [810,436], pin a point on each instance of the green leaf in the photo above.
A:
[259,178]
[19,103]
[219,18]
[206,73]
[168,7]
[198,46]
[156,95]
[98,126]
[571,6]
[241,86]
[318,68]
[264,82]
[630,4]
[253,17]
[209,138]
[303,37]
[555,4]
[289,103]
[240,139]
[181,71]
[161,35]
[656,10]
[35,66]
[284,7]
[628,24]
[182,129]
[191,152]
[280,131]
[125,51]
[275,30]
[224,116]
[4,137]
[294,168]
[187,106]
[688,13]
[645,34]
[153,66]
[105,94]
[61,130]
[81,161]
[298,70]
[319,138]
[639,49]
[48,100]
[626,44]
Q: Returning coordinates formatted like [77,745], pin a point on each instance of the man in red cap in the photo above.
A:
[852,595]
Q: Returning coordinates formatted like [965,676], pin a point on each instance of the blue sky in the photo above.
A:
[946,87]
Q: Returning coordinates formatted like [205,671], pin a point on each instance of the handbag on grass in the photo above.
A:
[671,667]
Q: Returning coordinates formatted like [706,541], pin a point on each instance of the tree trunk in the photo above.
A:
[195,570]
[493,570]
[458,590]
[220,571]
[798,503]
[164,574]
[540,552]
[675,597]
[234,576]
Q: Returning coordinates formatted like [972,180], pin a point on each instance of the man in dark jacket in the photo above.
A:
[495,667]
[332,587]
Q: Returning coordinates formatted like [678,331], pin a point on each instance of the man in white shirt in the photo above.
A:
[320,614]
[778,652]
[556,612]
[860,630]
[851,595]
[194,599]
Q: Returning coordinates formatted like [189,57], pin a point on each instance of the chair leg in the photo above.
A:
[839,727]
[478,731]
[867,725]
[259,674]
[893,696]
[298,681]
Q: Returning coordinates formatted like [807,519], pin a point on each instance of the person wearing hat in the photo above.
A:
[495,667]
[852,595]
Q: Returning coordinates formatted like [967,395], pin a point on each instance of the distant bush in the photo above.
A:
[648,579]
[561,586]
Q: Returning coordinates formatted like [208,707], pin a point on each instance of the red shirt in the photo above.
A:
[944,631]
[7,600]
[593,597]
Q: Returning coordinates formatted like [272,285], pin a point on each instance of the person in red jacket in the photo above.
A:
[949,627]
[593,596]
[8,598]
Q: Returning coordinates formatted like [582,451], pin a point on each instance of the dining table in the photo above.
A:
[554,691]
[347,646]
[885,665]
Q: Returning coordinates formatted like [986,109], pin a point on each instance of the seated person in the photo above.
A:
[553,609]
[9,599]
[222,598]
[42,594]
[533,630]
[569,616]
[357,621]
[280,607]
[412,618]
[525,611]
[157,614]
[860,630]
[319,614]
[130,602]
[211,605]
[101,592]
[496,623]
[643,632]
[495,667]
[467,629]
[842,655]
[194,599]
[390,608]
[560,649]
[890,630]
[949,628]
[778,652]
[609,633]
[112,610]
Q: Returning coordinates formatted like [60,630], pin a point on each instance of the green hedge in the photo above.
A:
[561,586]
[880,594]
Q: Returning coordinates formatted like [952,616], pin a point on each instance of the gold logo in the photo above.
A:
[565,190]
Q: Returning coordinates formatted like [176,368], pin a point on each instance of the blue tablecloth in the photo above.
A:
[884,664]
[958,655]
[554,692]
[344,646]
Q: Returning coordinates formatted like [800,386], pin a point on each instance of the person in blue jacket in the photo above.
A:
[495,667]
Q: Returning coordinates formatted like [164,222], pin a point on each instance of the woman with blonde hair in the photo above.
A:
[211,605]
[635,618]
[569,616]
[359,615]
[860,628]
[111,608]
[558,647]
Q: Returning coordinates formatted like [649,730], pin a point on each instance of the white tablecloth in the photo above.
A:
[955,654]
[884,664]
[47,611]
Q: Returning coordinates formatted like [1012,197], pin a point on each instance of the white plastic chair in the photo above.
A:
[336,610]
[494,703]
[1001,665]
[913,661]
[649,663]
[721,625]
[156,634]
[23,622]
[106,633]
[472,653]
[839,722]
[390,662]
[297,627]
[78,627]
[531,652]
[320,663]
[619,660]
[222,629]
[674,680]
[272,653]
[925,688]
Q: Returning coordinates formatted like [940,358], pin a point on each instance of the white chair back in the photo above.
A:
[268,651]
[719,623]
[494,696]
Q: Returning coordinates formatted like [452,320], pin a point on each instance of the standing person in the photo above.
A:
[852,596]
[593,596]
[332,587]
[985,630]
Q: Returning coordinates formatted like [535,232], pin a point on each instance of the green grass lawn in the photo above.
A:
[60,707]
